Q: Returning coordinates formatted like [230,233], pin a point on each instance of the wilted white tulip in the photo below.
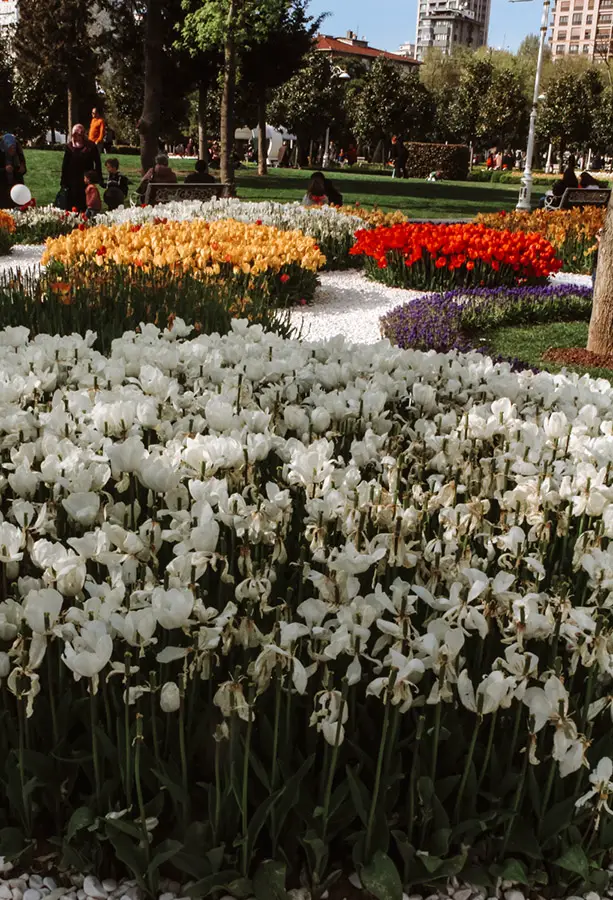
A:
[170,697]
[5,664]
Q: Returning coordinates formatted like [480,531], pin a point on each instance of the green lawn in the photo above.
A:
[418,199]
[530,342]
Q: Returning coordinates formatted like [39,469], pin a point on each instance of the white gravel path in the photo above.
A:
[22,257]
[348,303]
[345,303]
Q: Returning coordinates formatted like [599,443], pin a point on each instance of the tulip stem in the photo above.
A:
[412,778]
[93,713]
[139,795]
[467,765]
[488,750]
[244,795]
[217,793]
[275,749]
[547,795]
[381,756]
[333,759]
[126,730]
[436,738]
[183,754]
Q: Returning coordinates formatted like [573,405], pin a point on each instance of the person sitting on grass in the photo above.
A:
[321,192]
[92,194]
[200,175]
[116,185]
[160,173]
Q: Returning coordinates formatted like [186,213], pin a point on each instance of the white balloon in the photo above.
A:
[20,194]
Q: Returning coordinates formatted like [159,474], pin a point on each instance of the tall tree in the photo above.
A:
[565,117]
[231,25]
[600,336]
[390,100]
[149,122]
[53,43]
[310,101]
[504,123]
[464,114]
[274,59]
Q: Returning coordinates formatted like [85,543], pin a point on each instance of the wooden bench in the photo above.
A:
[578,197]
[166,193]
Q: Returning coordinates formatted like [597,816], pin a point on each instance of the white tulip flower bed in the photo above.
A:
[259,595]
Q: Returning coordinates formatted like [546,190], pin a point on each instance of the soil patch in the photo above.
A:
[578,356]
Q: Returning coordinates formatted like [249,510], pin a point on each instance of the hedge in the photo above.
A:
[452,160]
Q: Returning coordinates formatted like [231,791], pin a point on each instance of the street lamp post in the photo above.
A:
[525,194]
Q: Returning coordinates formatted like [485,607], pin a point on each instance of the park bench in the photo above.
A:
[573,197]
[165,193]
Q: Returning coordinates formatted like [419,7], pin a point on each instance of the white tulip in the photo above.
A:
[41,604]
[172,608]
[83,507]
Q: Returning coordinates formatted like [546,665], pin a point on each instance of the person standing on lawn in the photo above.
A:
[12,168]
[80,156]
[399,158]
[96,129]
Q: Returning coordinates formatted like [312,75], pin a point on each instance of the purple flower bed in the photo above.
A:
[457,320]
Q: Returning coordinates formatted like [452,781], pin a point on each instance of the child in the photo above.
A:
[92,194]
[116,185]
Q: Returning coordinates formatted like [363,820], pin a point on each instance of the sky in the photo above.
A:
[388,23]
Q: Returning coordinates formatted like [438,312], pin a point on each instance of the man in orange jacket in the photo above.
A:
[96,128]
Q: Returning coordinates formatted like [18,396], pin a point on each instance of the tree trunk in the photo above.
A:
[226,128]
[70,111]
[203,150]
[600,337]
[149,124]
[262,139]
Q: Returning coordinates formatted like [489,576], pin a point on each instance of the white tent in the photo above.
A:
[275,137]
[242,134]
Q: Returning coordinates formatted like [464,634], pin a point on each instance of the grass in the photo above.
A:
[529,343]
[417,198]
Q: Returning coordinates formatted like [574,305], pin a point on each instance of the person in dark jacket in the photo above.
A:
[81,156]
[200,175]
[12,168]
[399,158]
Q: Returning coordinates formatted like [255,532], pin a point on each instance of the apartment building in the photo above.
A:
[582,27]
[447,24]
[8,14]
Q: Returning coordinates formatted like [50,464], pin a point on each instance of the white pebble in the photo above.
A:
[16,894]
[18,883]
[36,881]
[592,895]
[5,892]
[513,895]
[463,894]
[354,878]
[81,895]
[31,894]
[167,896]
[109,885]
[50,883]
[94,889]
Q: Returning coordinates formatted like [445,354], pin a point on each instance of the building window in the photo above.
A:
[587,35]
[577,17]
[560,49]
[588,20]
[586,48]
[563,20]
[574,48]
[561,35]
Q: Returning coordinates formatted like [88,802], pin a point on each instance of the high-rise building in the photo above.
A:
[582,28]
[447,24]
[8,13]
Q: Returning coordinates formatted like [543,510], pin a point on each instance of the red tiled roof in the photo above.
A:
[343,48]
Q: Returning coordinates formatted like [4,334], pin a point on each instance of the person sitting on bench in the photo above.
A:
[200,175]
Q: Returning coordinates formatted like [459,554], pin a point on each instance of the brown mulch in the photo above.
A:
[578,356]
